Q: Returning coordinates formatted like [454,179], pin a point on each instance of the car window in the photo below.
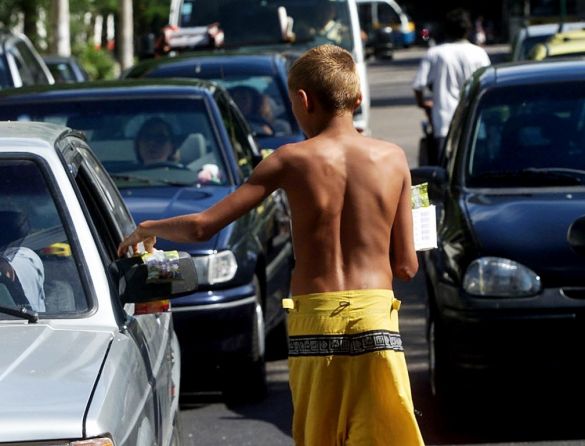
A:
[325,21]
[29,68]
[141,142]
[5,78]
[387,14]
[37,258]
[528,136]
[240,138]
[263,103]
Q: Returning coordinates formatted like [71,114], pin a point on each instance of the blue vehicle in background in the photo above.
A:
[256,82]
[380,19]
[244,270]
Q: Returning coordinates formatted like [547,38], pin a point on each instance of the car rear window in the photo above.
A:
[178,131]
[38,266]
[531,135]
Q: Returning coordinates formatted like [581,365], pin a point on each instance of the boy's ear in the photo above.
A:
[358,102]
[306,100]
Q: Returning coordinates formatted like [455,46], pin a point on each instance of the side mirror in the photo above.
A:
[436,177]
[576,235]
[172,274]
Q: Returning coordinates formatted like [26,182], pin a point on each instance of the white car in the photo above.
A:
[89,354]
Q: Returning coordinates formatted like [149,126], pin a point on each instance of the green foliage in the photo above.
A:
[99,64]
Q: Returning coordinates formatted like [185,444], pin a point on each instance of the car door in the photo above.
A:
[152,331]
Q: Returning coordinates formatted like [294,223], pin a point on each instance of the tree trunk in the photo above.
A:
[126,34]
[61,42]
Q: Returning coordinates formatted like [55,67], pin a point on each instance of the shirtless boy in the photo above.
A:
[352,231]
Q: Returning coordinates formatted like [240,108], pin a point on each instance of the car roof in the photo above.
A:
[525,73]
[551,28]
[33,134]
[229,62]
[117,88]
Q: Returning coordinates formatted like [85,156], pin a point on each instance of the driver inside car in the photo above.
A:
[155,144]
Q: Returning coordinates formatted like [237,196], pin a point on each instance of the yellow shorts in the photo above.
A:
[348,375]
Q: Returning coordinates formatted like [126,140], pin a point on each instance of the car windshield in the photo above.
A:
[141,142]
[313,22]
[38,272]
[531,136]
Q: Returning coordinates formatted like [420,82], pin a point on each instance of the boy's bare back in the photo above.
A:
[349,194]
[344,191]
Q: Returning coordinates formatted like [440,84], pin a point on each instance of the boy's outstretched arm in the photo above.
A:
[403,259]
[201,226]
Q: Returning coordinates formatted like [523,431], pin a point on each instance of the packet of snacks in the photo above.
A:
[424,218]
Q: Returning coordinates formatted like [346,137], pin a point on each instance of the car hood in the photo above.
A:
[530,228]
[46,380]
[153,203]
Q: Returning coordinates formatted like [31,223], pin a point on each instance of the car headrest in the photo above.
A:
[14,224]
[192,148]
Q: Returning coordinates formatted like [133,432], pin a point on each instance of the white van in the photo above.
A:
[288,26]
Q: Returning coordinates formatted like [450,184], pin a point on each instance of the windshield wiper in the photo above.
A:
[22,313]
[532,176]
[147,180]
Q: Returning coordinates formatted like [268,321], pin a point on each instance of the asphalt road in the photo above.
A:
[516,419]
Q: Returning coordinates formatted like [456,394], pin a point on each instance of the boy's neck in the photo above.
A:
[331,124]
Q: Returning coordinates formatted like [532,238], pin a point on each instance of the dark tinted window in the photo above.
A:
[529,136]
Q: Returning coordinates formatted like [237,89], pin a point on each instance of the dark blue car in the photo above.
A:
[244,270]
[256,82]
[506,291]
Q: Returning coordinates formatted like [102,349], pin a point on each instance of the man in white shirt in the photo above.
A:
[443,70]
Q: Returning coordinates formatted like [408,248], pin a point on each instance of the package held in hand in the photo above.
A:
[424,219]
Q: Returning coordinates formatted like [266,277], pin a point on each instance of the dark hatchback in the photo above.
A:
[244,270]
[506,291]
[257,83]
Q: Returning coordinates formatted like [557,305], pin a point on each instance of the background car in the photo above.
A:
[244,270]
[291,26]
[527,37]
[376,15]
[505,289]
[556,49]
[70,339]
[65,69]
[257,83]
[20,64]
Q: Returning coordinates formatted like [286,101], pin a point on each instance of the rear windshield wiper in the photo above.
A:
[22,313]
[150,181]
[550,176]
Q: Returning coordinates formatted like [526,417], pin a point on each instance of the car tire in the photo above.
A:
[439,368]
[245,377]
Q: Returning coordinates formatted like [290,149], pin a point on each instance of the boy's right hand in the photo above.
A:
[140,235]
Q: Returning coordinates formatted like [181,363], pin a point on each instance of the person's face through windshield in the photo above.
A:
[154,143]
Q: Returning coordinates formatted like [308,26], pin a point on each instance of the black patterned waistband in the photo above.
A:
[347,345]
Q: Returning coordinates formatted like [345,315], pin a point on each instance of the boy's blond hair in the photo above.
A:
[329,73]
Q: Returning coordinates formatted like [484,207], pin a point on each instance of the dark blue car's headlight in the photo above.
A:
[499,277]
[217,267]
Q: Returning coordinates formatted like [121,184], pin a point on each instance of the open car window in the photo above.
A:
[37,262]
